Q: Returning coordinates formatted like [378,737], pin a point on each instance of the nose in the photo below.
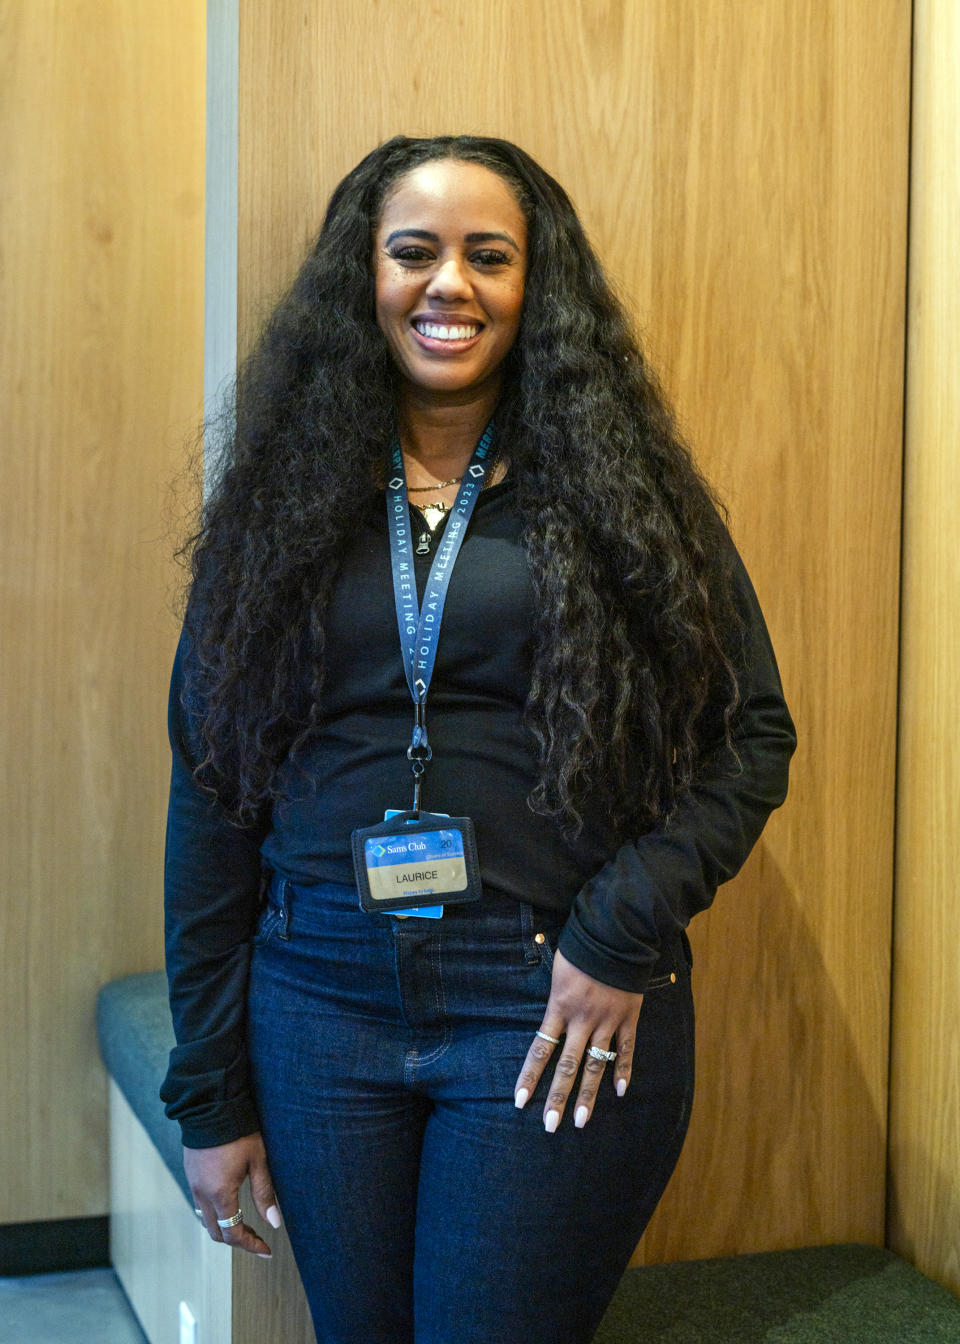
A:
[450,280]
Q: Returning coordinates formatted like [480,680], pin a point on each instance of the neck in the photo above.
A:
[441,436]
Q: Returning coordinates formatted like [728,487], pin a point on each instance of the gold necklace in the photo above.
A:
[434,513]
[440,485]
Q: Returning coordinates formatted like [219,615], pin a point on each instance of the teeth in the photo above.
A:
[438,333]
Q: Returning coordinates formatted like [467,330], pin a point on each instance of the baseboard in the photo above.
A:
[54,1244]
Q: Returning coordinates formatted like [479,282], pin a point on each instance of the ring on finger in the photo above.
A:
[231,1222]
[595,1052]
[554,1040]
[198,1212]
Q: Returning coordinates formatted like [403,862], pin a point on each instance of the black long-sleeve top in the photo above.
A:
[624,903]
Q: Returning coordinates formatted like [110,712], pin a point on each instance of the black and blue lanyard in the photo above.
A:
[419,627]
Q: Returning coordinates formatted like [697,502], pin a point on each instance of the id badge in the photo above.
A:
[421,911]
[406,862]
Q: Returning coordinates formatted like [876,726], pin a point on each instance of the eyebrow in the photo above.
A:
[467,237]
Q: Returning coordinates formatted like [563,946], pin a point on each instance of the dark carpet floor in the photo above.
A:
[818,1295]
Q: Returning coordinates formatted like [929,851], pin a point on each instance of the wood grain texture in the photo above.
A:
[742,169]
[101,193]
[785,272]
[268,1298]
[924,1203]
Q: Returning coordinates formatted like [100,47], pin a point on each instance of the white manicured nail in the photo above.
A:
[263,1255]
[273,1216]
[621,1086]
[581,1117]
[551,1120]
[520,1100]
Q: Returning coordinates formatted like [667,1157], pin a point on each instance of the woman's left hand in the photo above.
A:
[588,1013]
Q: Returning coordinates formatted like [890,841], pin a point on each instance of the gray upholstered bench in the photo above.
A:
[818,1295]
[136,1036]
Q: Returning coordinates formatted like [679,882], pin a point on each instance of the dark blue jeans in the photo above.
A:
[421,1204]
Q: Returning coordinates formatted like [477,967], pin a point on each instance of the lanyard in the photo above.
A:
[420,626]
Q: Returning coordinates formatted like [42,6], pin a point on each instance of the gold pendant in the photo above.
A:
[434,513]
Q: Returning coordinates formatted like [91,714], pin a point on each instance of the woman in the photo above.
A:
[469,1112]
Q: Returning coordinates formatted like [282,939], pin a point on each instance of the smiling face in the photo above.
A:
[449,263]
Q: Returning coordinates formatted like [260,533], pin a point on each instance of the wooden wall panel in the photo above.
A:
[780,313]
[925,1071]
[101,193]
[742,170]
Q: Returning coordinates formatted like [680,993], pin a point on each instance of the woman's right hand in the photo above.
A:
[216,1175]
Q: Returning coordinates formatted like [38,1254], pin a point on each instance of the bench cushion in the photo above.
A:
[817,1295]
[136,1036]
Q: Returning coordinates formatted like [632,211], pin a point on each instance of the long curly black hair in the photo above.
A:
[633,680]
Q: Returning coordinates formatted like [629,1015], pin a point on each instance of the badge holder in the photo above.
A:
[403,861]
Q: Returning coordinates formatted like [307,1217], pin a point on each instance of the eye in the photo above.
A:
[489,256]
[409,253]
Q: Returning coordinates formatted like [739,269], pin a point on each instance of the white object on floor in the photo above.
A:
[188,1325]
